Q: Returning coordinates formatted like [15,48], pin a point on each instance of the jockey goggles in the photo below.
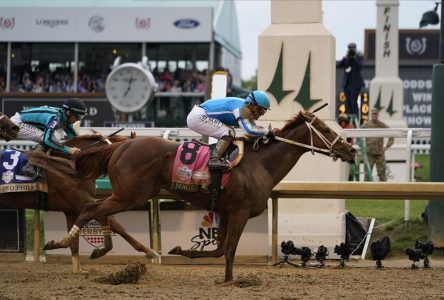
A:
[262,110]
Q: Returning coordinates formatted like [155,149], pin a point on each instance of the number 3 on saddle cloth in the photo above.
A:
[190,170]
[12,180]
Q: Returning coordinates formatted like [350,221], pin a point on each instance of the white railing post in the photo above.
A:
[408,163]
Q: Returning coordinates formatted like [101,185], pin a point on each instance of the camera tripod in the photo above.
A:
[284,261]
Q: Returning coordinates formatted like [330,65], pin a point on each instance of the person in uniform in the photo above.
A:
[39,124]
[375,146]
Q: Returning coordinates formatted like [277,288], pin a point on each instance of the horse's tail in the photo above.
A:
[92,164]
[58,165]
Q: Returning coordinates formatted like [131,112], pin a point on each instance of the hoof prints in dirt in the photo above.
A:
[247,282]
[130,274]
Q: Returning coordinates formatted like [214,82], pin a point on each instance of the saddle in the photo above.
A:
[190,170]
[13,177]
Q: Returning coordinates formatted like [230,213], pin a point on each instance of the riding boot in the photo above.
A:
[29,171]
[216,161]
[39,147]
[214,188]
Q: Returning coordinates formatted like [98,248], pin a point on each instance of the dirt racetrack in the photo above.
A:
[359,280]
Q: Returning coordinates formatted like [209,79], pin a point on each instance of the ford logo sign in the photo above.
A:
[186,23]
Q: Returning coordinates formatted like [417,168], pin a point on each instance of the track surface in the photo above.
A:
[359,280]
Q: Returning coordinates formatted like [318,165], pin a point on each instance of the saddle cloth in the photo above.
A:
[190,169]
[11,181]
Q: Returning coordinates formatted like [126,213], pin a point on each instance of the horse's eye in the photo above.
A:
[326,130]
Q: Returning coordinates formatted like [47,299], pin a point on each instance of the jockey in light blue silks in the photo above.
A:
[40,123]
[215,116]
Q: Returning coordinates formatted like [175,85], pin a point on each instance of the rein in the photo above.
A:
[312,148]
[104,138]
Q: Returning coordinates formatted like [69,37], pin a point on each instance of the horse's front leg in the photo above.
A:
[218,252]
[118,228]
[110,206]
[236,225]
[74,247]
[87,214]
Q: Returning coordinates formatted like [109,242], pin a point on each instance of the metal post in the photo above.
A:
[274,229]
[8,68]
[436,211]
[36,235]
[76,65]
[408,162]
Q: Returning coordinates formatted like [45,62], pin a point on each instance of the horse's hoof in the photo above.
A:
[49,245]
[176,250]
[152,254]
[96,254]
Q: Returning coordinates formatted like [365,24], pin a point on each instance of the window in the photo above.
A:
[96,60]
[3,60]
[42,67]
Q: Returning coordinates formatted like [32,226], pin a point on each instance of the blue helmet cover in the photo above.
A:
[259,98]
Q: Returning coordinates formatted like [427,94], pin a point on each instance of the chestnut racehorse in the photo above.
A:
[140,168]
[69,196]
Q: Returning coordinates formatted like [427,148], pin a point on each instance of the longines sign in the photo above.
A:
[100,24]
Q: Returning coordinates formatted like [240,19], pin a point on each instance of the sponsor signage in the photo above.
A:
[186,23]
[91,236]
[99,109]
[413,44]
[198,230]
[417,86]
[98,24]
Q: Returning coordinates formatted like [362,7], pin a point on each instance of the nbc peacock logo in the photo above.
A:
[207,236]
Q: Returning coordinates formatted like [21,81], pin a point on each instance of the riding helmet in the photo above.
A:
[259,98]
[75,105]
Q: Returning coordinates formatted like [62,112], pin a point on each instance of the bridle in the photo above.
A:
[330,151]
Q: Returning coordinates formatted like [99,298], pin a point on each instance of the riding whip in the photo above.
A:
[320,107]
[104,138]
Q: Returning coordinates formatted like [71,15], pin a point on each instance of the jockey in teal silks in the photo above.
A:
[39,124]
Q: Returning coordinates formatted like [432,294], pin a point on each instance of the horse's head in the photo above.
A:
[323,137]
[320,138]
[8,129]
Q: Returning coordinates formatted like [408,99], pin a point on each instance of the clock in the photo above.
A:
[130,86]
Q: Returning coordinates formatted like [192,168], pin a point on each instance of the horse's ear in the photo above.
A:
[133,134]
[306,115]
[301,114]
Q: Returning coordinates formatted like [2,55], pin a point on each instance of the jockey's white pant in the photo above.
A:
[27,131]
[199,122]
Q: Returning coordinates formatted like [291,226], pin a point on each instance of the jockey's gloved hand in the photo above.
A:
[74,151]
[271,134]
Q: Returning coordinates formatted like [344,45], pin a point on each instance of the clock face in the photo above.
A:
[129,87]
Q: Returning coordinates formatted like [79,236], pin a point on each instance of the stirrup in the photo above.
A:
[218,164]
[39,147]
[29,171]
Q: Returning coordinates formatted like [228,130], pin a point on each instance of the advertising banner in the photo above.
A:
[105,24]
[91,237]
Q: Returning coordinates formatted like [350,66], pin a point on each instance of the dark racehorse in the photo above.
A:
[139,168]
[69,196]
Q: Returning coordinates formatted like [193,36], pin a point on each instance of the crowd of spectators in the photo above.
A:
[61,81]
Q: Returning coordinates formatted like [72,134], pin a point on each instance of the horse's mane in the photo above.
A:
[91,138]
[297,120]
